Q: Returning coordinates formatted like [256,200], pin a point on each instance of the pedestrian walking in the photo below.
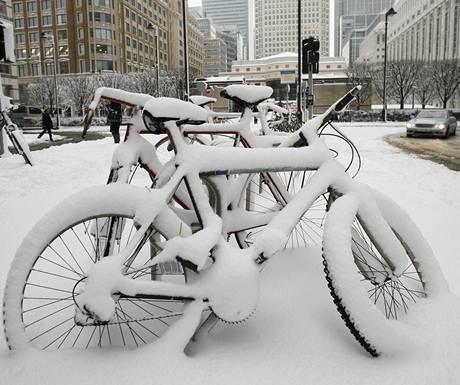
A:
[47,124]
[114,119]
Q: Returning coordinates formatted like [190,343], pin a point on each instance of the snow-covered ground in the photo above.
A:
[296,335]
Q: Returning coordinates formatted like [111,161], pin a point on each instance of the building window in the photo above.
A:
[49,68]
[31,6]
[104,48]
[35,69]
[81,49]
[17,7]
[64,67]
[48,51]
[33,21]
[20,53]
[22,70]
[82,66]
[19,23]
[62,34]
[46,4]
[60,4]
[61,19]
[46,20]
[104,65]
[63,50]
[33,37]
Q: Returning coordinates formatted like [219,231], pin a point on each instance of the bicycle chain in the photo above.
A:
[124,321]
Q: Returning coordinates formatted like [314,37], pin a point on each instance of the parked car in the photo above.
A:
[27,116]
[437,123]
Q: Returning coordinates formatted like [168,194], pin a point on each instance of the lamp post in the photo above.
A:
[390,12]
[150,27]
[184,28]
[50,38]
[299,62]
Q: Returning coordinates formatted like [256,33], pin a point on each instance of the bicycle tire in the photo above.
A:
[20,145]
[264,196]
[50,265]
[369,300]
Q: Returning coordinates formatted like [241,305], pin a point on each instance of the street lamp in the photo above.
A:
[184,29]
[50,38]
[390,12]
[150,27]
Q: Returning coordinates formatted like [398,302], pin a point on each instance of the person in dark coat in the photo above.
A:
[47,124]
[114,119]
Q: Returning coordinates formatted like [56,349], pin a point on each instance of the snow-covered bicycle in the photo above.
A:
[12,131]
[87,274]
[263,191]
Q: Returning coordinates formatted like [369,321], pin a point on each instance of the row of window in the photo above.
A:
[34,69]
[46,20]
[34,37]
[31,6]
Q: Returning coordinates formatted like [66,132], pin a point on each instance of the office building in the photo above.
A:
[196,52]
[426,30]
[8,70]
[352,20]
[233,39]
[214,46]
[103,35]
[276,25]
[372,48]
[234,12]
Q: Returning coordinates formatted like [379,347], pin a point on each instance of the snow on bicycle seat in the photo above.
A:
[246,95]
[159,110]
[201,101]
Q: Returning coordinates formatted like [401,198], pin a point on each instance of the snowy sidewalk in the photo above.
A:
[296,336]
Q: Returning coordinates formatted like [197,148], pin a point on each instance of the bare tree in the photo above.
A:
[446,77]
[77,91]
[402,76]
[144,82]
[423,87]
[41,92]
[376,75]
[171,84]
[359,74]
[112,80]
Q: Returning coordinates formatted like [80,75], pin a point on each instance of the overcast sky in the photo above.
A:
[195,3]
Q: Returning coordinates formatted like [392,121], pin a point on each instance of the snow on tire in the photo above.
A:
[49,269]
[368,298]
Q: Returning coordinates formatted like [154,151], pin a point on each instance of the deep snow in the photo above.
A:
[296,335]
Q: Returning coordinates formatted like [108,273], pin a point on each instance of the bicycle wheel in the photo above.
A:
[20,145]
[366,293]
[50,267]
[269,192]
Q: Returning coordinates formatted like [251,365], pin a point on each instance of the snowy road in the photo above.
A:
[296,335]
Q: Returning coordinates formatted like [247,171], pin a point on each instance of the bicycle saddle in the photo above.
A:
[201,100]
[246,95]
[159,110]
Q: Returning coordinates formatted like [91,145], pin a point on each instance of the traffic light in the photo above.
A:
[310,55]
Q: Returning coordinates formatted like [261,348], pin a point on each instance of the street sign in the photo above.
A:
[287,76]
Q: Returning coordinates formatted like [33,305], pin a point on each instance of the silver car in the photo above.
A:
[438,123]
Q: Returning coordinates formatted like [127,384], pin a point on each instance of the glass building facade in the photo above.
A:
[225,12]
[352,19]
